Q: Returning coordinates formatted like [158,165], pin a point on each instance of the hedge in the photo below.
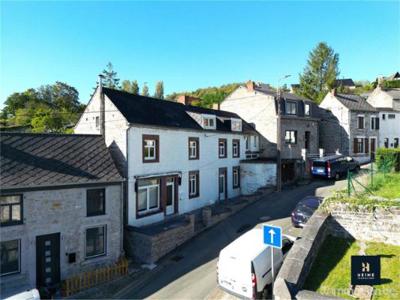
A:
[388,159]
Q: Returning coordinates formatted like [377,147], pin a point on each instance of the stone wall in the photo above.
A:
[210,218]
[377,225]
[149,243]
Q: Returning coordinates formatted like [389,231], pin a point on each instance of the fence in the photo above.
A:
[90,279]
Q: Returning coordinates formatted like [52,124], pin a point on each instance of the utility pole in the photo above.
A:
[279,139]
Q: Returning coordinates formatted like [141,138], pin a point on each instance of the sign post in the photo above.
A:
[273,238]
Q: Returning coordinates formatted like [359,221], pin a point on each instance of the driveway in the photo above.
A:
[189,271]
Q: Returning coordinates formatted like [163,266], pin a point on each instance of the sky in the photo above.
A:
[190,44]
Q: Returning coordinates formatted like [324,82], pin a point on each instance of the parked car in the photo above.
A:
[244,266]
[333,166]
[304,210]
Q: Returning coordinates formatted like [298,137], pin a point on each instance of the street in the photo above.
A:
[189,272]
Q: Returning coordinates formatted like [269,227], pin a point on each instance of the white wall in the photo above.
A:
[174,157]
[256,175]
[389,128]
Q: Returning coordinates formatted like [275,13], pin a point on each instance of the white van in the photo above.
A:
[244,266]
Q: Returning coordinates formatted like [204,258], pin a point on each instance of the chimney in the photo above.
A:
[333,91]
[187,100]
[102,104]
[250,85]
[216,106]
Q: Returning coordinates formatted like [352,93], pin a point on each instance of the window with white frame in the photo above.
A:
[374,123]
[209,122]
[236,125]
[11,210]
[95,241]
[290,136]
[194,183]
[360,122]
[222,148]
[235,148]
[307,109]
[359,145]
[193,148]
[291,107]
[10,257]
[150,148]
[148,195]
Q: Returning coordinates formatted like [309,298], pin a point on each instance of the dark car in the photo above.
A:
[334,166]
[304,210]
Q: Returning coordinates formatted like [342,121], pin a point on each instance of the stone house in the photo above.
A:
[387,103]
[176,158]
[258,104]
[353,126]
[61,208]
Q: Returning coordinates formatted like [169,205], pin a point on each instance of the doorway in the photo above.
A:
[170,203]
[222,184]
[48,260]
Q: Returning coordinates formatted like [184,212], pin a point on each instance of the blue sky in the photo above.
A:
[190,44]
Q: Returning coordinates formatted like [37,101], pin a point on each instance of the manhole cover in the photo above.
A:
[177,257]
[242,228]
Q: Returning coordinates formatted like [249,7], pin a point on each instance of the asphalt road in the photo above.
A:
[189,272]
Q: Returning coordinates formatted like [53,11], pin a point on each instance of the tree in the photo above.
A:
[145,90]
[110,77]
[135,87]
[18,101]
[159,93]
[130,87]
[320,74]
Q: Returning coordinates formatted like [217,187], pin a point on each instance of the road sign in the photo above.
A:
[273,236]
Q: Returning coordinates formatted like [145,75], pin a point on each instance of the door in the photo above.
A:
[48,260]
[222,184]
[170,206]
[373,148]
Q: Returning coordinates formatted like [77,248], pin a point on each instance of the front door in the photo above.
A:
[373,147]
[48,260]
[222,184]
[170,196]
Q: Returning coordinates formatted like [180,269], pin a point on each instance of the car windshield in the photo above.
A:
[310,202]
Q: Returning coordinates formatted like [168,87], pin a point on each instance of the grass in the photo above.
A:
[386,185]
[330,274]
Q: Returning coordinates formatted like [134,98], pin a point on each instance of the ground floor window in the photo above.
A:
[236,177]
[10,257]
[148,195]
[386,142]
[358,145]
[396,143]
[96,241]
[194,184]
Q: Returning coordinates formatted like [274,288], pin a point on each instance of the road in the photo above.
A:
[189,272]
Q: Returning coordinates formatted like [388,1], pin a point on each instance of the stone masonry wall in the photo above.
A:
[377,225]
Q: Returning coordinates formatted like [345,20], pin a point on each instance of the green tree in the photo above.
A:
[135,87]
[320,74]
[130,87]
[159,93]
[17,101]
[110,77]
[145,90]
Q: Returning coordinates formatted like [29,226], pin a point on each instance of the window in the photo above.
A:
[97,122]
[236,177]
[151,148]
[194,181]
[290,136]
[95,241]
[148,195]
[209,122]
[383,116]
[386,142]
[374,123]
[10,257]
[193,148]
[235,148]
[358,145]
[291,108]
[360,122]
[396,143]
[247,143]
[236,125]
[11,210]
[391,116]
[222,148]
[95,202]
[307,109]
[255,141]
[307,137]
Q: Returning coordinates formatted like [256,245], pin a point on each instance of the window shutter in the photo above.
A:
[355,148]
[376,123]
[198,183]
[366,145]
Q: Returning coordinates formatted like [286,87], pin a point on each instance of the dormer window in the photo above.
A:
[291,108]
[306,109]
[236,125]
[209,122]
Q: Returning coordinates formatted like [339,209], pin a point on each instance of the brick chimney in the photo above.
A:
[250,85]
[187,100]
[216,106]
[333,91]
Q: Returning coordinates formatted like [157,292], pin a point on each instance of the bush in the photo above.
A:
[388,159]
[391,84]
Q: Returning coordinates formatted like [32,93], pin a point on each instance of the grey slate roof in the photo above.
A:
[31,160]
[151,111]
[394,93]
[344,82]
[354,102]
[266,89]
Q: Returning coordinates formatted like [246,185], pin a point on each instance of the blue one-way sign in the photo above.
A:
[273,236]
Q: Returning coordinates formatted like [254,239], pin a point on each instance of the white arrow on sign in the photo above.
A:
[271,233]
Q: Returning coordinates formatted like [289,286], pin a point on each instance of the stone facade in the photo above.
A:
[62,211]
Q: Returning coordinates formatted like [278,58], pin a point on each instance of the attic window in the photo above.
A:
[236,125]
[307,109]
[209,122]
[291,108]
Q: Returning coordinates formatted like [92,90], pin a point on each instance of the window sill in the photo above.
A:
[96,215]
[11,224]
[151,161]
[140,215]
[194,196]
[193,158]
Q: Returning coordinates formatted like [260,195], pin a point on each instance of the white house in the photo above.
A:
[387,102]
[176,158]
